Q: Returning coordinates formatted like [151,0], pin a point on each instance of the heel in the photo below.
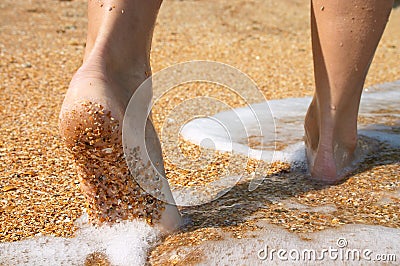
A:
[93,137]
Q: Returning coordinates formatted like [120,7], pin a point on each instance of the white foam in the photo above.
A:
[379,134]
[124,244]
[228,131]
[378,240]
[128,243]
[234,127]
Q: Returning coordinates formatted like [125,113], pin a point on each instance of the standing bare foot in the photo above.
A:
[116,62]
[344,39]
[331,147]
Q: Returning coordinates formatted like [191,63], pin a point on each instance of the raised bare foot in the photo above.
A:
[330,144]
[91,124]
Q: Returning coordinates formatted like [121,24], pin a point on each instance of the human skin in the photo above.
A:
[345,35]
[116,62]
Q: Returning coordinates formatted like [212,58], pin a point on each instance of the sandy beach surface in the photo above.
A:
[41,46]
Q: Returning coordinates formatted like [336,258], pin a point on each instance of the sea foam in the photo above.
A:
[128,243]
[229,131]
[123,244]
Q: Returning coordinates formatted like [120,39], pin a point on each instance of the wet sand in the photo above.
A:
[270,41]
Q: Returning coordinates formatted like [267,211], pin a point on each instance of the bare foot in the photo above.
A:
[342,55]
[91,124]
[330,145]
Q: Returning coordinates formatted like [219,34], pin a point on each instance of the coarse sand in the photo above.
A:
[41,46]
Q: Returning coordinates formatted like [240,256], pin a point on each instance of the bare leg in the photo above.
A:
[116,62]
[345,35]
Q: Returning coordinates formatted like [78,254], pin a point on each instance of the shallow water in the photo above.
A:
[128,243]
[349,245]
[122,244]
[232,131]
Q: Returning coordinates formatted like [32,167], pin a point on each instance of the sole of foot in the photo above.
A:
[91,125]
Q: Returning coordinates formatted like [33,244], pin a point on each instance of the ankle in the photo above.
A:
[125,68]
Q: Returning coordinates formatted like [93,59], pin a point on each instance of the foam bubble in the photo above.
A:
[128,243]
[237,125]
[256,248]
[123,244]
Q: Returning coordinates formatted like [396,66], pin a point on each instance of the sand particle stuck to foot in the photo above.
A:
[42,44]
